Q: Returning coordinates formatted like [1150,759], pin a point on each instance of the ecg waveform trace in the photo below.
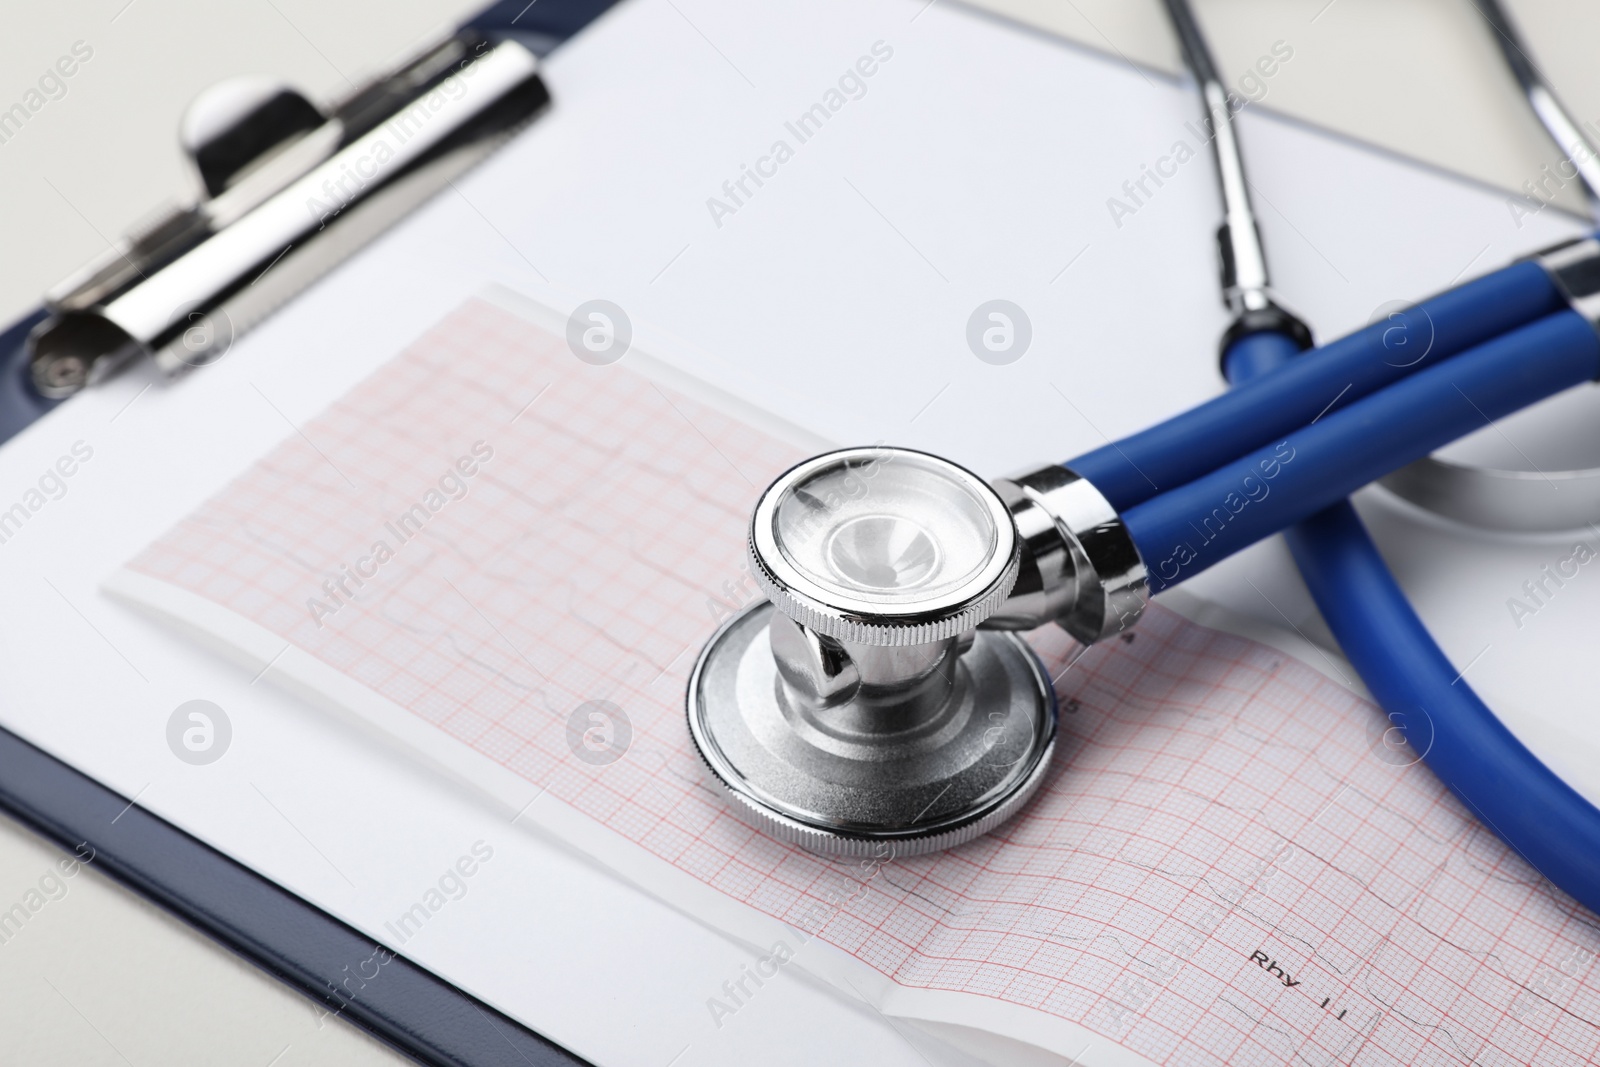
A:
[1227,865]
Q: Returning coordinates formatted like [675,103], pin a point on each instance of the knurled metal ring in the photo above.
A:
[863,622]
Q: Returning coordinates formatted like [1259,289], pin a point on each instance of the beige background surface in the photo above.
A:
[99,977]
[1423,78]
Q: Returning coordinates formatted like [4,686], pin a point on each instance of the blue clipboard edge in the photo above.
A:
[409,1008]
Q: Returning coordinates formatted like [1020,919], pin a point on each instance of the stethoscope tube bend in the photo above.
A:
[1443,721]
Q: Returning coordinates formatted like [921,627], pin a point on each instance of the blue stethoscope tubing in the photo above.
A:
[1265,408]
[1500,343]
[1186,529]
[1553,827]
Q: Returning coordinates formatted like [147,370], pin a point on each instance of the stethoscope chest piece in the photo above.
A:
[859,710]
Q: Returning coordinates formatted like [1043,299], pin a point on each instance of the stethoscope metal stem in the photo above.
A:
[1246,284]
[1578,149]
[1244,264]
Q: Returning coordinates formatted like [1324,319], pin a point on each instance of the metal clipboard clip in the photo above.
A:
[290,191]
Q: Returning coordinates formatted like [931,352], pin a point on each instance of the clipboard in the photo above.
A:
[1185,312]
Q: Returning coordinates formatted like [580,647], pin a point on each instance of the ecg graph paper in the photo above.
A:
[1227,864]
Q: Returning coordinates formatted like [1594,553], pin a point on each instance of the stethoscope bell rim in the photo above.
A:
[733,707]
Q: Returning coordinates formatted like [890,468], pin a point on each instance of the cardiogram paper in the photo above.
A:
[507,558]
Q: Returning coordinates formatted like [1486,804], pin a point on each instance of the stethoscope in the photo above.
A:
[880,701]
